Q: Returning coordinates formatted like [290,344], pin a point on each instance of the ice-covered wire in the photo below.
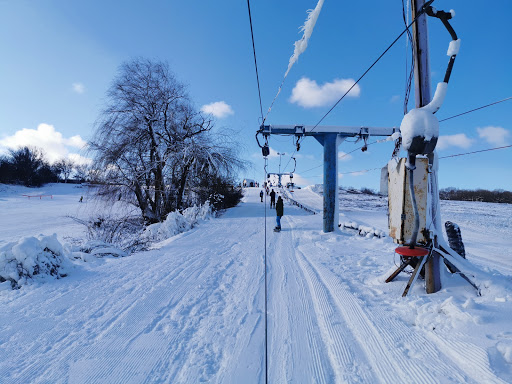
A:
[300,47]
[421,12]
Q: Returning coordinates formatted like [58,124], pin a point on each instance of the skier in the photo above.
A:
[81,199]
[261,195]
[279,213]
[272,199]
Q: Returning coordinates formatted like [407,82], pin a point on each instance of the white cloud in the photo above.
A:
[78,88]
[78,159]
[272,155]
[343,156]
[53,144]
[394,98]
[301,156]
[75,141]
[218,109]
[494,135]
[357,173]
[459,140]
[297,180]
[308,94]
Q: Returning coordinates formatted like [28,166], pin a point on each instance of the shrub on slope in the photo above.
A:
[32,258]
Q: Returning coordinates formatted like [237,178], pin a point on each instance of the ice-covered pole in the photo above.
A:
[420,127]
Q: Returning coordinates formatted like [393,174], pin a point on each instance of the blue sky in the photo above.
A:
[59,57]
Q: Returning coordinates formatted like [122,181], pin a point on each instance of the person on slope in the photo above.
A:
[272,199]
[261,195]
[279,212]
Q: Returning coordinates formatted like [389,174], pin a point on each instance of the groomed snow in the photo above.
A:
[193,310]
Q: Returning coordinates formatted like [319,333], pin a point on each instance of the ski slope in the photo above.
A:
[193,310]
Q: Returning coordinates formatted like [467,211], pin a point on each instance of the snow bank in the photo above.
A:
[94,249]
[177,223]
[363,230]
[32,258]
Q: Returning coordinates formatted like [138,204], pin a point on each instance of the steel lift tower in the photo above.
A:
[330,137]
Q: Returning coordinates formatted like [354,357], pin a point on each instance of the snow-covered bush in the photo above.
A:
[120,233]
[96,249]
[32,258]
[177,222]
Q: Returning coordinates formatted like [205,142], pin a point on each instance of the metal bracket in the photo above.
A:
[364,134]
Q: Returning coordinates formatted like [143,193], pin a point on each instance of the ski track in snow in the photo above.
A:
[193,311]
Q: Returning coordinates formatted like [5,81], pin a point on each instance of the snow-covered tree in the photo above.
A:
[150,141]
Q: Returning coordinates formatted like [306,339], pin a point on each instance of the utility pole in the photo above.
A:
[422,98]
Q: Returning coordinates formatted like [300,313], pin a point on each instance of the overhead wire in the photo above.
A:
[409,71]
[442,157]
[255,62]
[421,12]
[448,118]
[476,109]
[482,150]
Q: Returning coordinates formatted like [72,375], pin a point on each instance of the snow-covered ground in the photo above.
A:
[192,310]
[486,227]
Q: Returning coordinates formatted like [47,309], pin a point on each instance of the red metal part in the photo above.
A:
[412,252]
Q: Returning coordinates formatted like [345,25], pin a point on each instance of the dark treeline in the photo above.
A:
[496,196]
[27,166]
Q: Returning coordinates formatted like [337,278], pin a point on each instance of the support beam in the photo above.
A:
[330,143]
[311,130]
[330,137]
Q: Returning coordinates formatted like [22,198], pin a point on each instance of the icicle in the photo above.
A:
[302,44]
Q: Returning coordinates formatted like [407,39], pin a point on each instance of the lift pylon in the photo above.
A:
[330,137]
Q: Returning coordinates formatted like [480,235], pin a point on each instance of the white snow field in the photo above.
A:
[192,310]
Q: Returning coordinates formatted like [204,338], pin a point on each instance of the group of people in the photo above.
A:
[277,205]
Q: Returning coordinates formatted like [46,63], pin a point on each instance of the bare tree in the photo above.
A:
[65,168]
[82,172]
[150,140]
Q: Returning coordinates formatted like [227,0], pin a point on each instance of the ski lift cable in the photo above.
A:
[442,157]
[255,62]
[421,12]
[470,153]
[409,71]
[265,168]
[265,273]
[448,118]
[476,109]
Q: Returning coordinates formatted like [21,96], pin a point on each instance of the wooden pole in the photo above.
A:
[422,98]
